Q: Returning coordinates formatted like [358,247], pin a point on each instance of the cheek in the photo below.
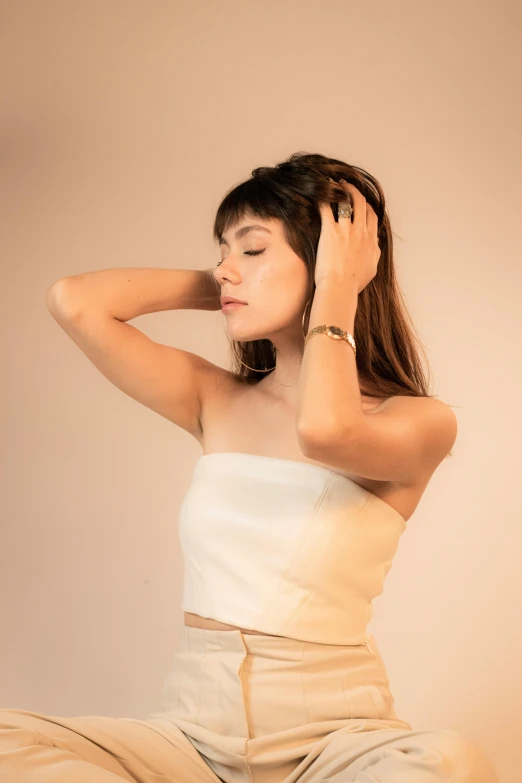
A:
[283,306]
[282,287]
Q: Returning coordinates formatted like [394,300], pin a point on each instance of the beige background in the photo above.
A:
[123,124]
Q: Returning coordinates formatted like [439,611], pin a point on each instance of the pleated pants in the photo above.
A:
[248,708]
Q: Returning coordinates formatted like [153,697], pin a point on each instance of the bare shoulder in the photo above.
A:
[419,405]
[426,407]
[431,415]
[217,386]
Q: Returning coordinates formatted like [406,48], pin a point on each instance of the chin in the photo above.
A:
[242,336]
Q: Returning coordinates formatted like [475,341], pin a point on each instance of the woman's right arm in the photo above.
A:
[93,309]
[127,293]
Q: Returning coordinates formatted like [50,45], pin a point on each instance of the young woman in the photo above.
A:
[317,447]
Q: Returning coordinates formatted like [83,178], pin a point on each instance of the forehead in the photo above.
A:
[245,226]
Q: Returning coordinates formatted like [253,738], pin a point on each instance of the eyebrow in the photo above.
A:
[244,230]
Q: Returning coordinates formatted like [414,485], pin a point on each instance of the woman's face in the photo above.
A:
[259,267]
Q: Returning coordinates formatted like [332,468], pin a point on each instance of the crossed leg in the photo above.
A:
[37,748]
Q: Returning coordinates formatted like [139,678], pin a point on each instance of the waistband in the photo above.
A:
[231,683]
[252,701]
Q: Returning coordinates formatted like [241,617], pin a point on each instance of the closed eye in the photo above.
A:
[249,253]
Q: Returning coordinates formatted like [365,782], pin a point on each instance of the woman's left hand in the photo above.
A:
[348,249]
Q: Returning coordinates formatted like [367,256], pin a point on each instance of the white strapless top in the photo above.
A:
[284,547]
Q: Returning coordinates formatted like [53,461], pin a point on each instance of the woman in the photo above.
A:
[317,447]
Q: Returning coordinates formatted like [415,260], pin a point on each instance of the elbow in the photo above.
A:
[58,299]
[313,439]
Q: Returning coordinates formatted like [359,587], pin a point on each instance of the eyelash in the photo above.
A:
[248,253]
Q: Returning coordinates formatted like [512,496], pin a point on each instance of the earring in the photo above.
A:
[273,368]
[303,318]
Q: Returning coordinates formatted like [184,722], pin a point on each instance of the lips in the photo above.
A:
[232,306]
[231,300]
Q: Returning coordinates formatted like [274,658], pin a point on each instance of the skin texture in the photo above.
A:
[274,285]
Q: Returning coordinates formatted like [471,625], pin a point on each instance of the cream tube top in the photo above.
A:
[284,547]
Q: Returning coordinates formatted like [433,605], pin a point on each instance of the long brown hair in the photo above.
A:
[387,358]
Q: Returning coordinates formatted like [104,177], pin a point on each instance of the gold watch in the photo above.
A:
[335,332]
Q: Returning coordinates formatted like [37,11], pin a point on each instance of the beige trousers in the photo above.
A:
[248,708]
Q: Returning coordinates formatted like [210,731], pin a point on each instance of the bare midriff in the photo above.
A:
[196,621]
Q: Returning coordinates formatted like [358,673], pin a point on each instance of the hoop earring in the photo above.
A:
[273,368]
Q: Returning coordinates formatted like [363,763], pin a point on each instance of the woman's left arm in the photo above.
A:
[408,433]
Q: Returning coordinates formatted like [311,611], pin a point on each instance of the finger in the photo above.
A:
[359,204]
[336,199]
[326,212]
[343,222]
[372,221]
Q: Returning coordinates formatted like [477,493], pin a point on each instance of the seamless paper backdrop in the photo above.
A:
[123,125]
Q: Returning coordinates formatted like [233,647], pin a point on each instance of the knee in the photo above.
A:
[15,733]
[11,719]
[469,761]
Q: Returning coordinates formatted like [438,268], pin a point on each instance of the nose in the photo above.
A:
[225,270]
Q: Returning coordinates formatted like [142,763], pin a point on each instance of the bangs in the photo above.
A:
[255,198]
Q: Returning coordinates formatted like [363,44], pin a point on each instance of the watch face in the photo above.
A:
[335,332]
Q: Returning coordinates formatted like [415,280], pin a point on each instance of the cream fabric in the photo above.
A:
[247,708]
[284,547]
